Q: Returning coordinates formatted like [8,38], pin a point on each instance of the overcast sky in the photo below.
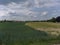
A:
[29,9]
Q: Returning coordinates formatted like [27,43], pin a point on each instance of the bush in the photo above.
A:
[58,19]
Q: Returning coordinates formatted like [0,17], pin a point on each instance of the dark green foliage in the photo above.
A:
[58,19]
[52,20]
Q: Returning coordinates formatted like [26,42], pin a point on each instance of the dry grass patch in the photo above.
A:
[49,27]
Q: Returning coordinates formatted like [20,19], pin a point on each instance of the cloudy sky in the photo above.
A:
[29,9]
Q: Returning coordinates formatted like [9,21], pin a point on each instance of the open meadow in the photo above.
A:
[29,33]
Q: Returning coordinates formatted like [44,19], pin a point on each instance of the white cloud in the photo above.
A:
[44,13]
[24,11]
[46,3]
[3,13]
[16,9]
[3,10]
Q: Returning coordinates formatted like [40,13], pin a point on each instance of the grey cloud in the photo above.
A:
[28,10]
[8,1]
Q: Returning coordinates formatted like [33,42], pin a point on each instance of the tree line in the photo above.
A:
[57,19]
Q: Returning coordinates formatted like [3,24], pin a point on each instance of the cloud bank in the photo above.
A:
[29,9]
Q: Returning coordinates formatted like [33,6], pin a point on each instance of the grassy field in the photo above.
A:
[50,27]
[28,33]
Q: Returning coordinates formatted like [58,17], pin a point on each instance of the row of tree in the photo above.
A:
[57,19]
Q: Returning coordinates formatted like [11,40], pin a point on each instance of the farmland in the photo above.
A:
[45,26]
[29,33]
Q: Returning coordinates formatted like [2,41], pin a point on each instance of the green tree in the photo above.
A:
[53,20]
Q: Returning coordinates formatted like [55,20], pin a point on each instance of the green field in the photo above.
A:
[28,33]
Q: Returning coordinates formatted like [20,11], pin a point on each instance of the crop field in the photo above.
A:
[29,33]
[53,28]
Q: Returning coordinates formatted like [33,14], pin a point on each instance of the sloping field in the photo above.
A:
[53,28]
[44,25]
[22,33]
[15,33]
